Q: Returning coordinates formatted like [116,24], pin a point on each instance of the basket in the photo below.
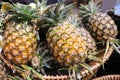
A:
[109,77]
[85,74]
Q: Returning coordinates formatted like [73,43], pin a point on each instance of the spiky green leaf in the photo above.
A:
[95,58]
[88,10]
[86,66]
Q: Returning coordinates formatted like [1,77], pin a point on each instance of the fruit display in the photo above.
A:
[40,40]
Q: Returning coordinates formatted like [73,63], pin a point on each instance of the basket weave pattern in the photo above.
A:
[108,77]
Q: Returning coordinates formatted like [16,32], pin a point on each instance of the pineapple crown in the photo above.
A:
[22,12]
[43,52]
[73,19]
[43,59]
[56,14]
[86,11]
[18,12]
[41,7]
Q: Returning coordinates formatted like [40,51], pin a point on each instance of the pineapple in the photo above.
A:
[64,38]
[101,25]
[68,44]
[20,33]
[20,42]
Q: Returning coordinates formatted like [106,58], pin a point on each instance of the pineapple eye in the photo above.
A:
[24,54]
[70,41]
[60,42]
[24,38]
[61,55]
[9,56]
[76,45]
[10,37]
[15,52]
[22,47]
[72,52]
[21,31]
[65,47]
[12,45]
[18,59]
[6,49]
[18,41]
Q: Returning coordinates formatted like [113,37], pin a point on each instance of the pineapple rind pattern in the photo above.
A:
[91,43]
[20,42]
[103,27]
[68,47]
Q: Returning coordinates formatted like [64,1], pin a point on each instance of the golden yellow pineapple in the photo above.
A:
[20,39]
[68,47]
[101,25]
[19,42]
[67,44]
[64,38]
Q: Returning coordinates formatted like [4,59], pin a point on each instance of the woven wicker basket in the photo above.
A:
[85,74]
[109,77]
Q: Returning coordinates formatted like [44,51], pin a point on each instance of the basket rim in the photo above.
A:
[108,77]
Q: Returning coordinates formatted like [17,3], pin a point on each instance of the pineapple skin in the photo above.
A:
[85,35]
[102,27]
[20,42]
[91,43]
[67,44]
